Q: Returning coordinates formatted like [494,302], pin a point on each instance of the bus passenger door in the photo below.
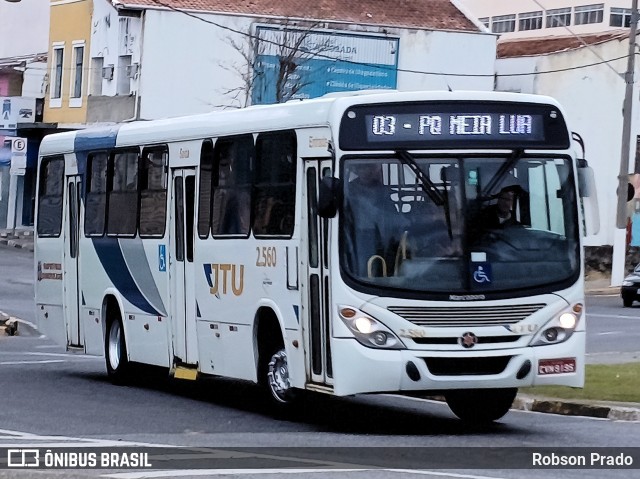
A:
[181,269]
[72,293]
[316,323]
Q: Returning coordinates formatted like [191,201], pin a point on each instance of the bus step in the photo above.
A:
[188,372]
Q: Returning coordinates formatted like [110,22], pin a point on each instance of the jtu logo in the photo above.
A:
[223,277]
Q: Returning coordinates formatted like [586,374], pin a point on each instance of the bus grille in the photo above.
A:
[481,340]
[467,317]
[467,366]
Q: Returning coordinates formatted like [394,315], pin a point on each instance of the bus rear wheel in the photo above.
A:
[116,352]
[480,406]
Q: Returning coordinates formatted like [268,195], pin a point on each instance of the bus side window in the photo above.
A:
[231,210]
[275,187]
[204,191]
[123,196]
[153,192]
[96,198]
[50,197]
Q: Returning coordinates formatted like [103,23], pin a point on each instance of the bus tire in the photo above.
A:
[116,352]
[480,406]
[277,378]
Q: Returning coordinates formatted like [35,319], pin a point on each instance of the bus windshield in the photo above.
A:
[464,225]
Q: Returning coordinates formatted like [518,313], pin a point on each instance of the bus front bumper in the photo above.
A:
[358,369]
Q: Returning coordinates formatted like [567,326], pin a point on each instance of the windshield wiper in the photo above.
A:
[428,186]
[502,172]
[425,182]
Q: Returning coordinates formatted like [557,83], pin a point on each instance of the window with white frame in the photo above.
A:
[56,74]
[588,14]
[123,86]
[78,72]
[620,17]
[484,21]
[530,21]
[559,17]
[503,23]
[96,75]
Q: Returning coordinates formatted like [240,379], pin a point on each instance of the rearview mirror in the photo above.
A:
[588,194]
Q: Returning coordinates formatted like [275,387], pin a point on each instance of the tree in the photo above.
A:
[273,62]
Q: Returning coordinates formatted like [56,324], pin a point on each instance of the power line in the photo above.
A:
[404,70]
[578,37]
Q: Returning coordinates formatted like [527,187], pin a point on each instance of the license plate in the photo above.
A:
[556,366]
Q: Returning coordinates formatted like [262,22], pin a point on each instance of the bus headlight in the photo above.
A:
[560,328]
[367,330]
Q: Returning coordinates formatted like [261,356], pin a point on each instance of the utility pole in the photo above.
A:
[623,177]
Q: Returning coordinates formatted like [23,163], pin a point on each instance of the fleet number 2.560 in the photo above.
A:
[266,256]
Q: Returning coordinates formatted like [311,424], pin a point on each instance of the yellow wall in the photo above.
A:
[69,21]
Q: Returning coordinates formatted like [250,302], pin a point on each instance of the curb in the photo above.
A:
[566,408]
[561,407]
[22,239]
[610,291]
[16,243]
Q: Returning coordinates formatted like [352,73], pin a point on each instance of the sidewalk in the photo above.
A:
[600,286]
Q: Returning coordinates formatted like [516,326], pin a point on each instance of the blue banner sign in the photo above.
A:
[322,63]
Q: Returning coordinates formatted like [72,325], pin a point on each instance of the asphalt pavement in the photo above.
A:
[23,239]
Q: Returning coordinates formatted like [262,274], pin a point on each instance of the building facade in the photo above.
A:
[24,37]
[146,60]
[69,41]
[587,76]
[539,18]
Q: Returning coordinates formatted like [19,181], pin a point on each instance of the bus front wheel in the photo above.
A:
[480,406]
[277,379]
[116,352]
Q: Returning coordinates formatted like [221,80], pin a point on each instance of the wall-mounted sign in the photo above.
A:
[321,62]
[18,156]
[16,109]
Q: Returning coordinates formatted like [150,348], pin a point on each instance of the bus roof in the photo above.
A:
[293,114]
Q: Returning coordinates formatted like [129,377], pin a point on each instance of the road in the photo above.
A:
[17,276]
[50,398]
[613,332]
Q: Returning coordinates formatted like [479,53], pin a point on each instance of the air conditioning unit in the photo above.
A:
[107,72]
[132,70]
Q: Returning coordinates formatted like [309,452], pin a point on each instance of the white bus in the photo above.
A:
[366,243]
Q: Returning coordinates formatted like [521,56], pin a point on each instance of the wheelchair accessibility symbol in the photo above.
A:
[482,274]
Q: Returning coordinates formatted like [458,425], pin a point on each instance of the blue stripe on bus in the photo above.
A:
[91,140]
[136,259]
[112,259]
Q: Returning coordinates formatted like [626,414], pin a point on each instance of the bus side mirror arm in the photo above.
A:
[589,197]
[329,196]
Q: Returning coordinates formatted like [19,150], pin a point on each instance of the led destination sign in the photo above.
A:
[454,125]
[443,126]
